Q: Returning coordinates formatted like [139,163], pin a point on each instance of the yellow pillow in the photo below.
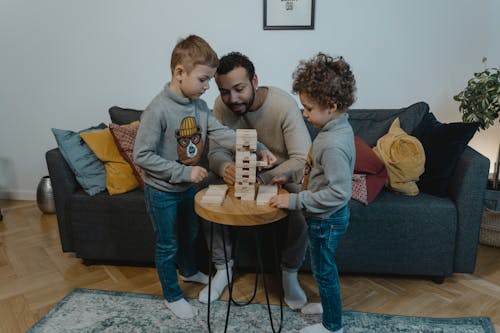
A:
[119,175]
[404,159]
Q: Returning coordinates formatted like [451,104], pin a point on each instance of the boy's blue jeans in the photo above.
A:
[323,241]
[176,226]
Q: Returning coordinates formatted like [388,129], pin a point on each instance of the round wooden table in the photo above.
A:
[237,212]
[240,213]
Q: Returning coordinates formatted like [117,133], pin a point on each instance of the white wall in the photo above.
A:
[63,63]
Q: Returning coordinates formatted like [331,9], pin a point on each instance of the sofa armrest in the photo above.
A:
[64,184]
[467,188]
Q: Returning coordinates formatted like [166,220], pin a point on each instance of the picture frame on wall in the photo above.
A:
[288,14]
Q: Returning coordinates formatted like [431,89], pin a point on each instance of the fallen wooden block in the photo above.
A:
[265,193]
[214,195]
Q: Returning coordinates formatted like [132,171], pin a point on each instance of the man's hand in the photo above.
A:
[280,180]
[268,157]
[230,174]
[280,201]
[198,173]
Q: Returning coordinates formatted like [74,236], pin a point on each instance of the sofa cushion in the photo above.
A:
[370,174]
[122,116]
[443,145]
[125,139]
[388,235]
[404,158]
[88,169]
[371,124]
[119,175]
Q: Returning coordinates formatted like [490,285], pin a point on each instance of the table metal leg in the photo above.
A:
[230,279]
[210,274]
[230,285]
[261,264]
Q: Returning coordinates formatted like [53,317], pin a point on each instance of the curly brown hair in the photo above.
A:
[326,80]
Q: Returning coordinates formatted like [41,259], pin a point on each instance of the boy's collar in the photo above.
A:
[172,95]
[332,123]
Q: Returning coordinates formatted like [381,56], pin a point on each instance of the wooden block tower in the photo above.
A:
[246,164]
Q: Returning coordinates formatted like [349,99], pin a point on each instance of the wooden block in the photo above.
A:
[265,193]
[250,179]
[261,163]
[217,189]
[246,139]
[214,195]
[212,200]
[246,133]
[244,190]
[246,164]
[245,172]
[242,156]
[248,197]
[246,146]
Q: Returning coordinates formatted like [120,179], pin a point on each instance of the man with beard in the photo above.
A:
[280,127]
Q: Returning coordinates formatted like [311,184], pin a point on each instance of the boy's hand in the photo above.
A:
[280,201]
[198,173]
[230,174]
[268,157]
[278,180]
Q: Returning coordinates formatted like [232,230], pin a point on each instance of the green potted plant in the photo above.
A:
[480,102]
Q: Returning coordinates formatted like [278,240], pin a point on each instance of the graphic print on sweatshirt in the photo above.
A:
[189,141]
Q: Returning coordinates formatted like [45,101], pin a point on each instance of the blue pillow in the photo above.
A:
[88,169]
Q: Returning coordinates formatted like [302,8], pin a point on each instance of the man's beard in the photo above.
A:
[247,105]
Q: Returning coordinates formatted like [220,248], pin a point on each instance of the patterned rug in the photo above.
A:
[86,310]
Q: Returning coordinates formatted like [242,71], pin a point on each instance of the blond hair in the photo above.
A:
[191,51]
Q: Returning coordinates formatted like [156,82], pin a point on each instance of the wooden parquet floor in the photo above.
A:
[35,274]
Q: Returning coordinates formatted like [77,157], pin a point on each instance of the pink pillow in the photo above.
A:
[370,174]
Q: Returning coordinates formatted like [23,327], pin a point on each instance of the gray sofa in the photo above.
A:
[424,235]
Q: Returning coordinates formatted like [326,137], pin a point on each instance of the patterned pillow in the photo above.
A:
[125,139]
[359,189]
[119,175]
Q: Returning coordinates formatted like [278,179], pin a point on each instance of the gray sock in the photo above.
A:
[312,309]
[181,309]
[199,277]
[295,297]
[219,283]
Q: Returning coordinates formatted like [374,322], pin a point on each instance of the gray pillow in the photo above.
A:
[88,169]
[371,124]
[122,116]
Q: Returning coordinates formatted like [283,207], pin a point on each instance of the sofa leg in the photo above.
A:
[88,262]
[438,279]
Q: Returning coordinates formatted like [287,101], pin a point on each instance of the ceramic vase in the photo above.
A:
[45,196]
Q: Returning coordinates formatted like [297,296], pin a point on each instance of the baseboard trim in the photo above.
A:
[17,195]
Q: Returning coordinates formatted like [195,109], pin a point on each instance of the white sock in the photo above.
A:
[181,309]
[312,308]
[319,328]
[295,297]
[219,283]
[199,277]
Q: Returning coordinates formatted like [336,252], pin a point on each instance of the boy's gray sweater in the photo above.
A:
[171,138]
[330,180]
